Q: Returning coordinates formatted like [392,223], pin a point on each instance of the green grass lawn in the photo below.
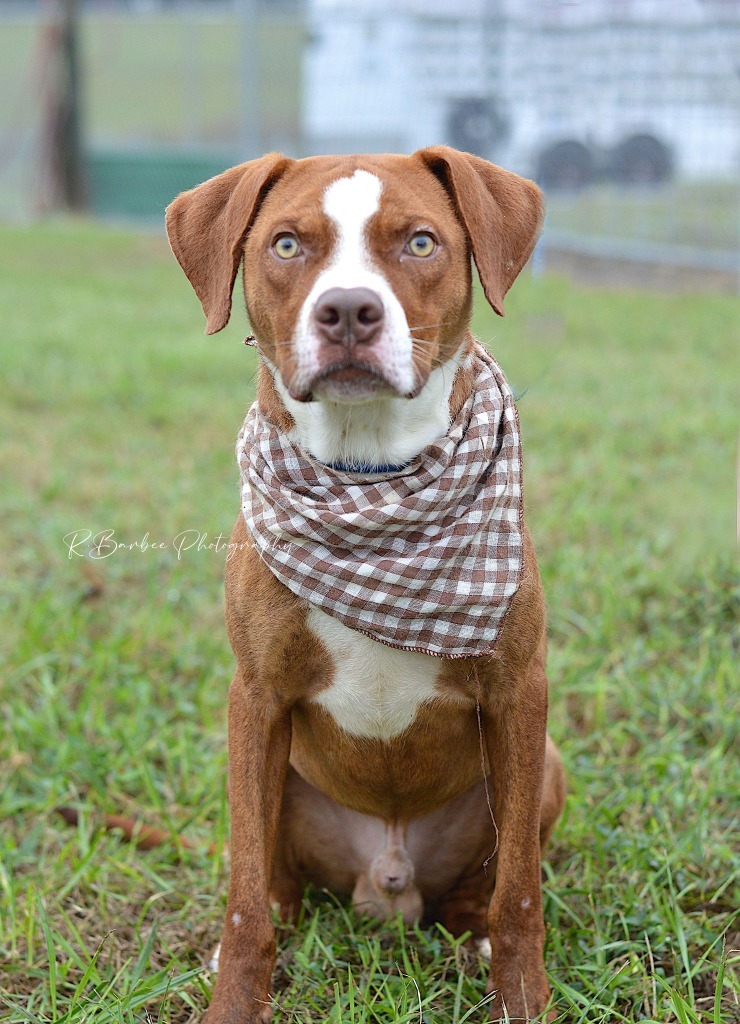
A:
[702,214]
[117,413]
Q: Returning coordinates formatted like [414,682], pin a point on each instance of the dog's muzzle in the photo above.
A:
[348,323]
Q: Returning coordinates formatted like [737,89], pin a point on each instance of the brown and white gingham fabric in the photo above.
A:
[425,558]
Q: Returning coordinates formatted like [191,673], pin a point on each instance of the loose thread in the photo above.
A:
[493,853]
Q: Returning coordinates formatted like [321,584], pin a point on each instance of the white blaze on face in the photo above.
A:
[350,203]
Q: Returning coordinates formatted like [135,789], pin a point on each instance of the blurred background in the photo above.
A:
[627,112]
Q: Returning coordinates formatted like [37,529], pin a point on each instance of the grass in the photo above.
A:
[700,214]
[116,413]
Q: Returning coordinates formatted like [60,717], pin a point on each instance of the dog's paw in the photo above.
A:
[235,1016]
[531,1002]
[483,947]
[212,964]
[224,1011]
[520,991]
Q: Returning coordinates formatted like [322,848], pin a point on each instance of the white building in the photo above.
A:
[630,89]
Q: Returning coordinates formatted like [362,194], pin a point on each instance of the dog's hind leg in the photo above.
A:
[553,793]
[465,907]
[310,847]
[320,842]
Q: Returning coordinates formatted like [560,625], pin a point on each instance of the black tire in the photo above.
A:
[640,160]
[566,166]
[475,125]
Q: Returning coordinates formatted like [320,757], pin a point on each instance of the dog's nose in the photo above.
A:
[349,316]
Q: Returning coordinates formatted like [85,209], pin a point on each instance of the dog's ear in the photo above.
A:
[501,213]
[207,227]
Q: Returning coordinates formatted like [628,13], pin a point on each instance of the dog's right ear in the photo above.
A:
[207,227]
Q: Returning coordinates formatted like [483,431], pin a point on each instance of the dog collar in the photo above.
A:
[364,468]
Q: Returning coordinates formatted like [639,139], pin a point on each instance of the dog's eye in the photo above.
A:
[421,244]
[286,247]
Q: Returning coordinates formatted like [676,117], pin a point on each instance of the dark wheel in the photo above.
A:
[640,160]
[475,125]
[566,166]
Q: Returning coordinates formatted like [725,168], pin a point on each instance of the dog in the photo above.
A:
[374,743]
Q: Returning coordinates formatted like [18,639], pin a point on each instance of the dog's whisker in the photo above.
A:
[422,343]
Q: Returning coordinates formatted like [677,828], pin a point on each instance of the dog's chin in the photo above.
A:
[351,386]
[348,385]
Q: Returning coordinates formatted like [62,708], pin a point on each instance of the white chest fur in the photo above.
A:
[377,690]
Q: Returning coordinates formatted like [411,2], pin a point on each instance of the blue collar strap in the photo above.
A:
[363,467]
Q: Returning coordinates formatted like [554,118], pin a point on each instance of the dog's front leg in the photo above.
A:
[259,746]
[515,731]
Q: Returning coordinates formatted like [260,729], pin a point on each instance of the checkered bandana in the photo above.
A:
[424,558]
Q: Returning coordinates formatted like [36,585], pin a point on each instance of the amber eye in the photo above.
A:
[421,244]
[286,247]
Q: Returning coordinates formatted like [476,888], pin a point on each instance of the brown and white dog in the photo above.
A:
[354,765]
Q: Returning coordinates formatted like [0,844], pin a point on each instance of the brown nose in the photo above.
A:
[349,316]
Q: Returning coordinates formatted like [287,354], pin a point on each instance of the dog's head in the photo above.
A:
[357,270]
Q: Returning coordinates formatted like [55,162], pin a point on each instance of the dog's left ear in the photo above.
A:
[501,213]
[207,227]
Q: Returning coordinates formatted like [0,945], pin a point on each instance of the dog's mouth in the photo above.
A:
[347,381]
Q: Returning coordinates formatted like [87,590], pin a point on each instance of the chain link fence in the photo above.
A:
[626,111]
